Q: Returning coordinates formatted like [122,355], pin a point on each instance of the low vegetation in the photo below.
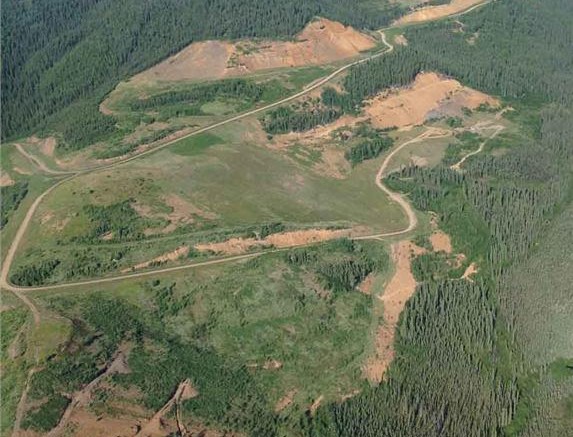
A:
[236,321]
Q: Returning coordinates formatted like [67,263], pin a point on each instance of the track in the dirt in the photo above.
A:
[8,260]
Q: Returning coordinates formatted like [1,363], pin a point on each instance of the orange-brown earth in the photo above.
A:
[6,179]
[169,256]
[400,288]
[430,95]
[441,242]
[285,401]
[430,13]
[235,246]
[322,41]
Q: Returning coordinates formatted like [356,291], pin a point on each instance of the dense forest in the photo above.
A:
[61,57]
[460,367]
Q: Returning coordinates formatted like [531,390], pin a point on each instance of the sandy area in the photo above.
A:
[6,179]
[182,212]
[236,246]
[322,41]
[471,270]
[315,405]
[441,242]
[169,256]
[430,13]
[401,40]
[285,401]
[400,288]
[366,285]
[430,95]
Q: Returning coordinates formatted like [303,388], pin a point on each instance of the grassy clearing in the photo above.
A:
[248,332]
[201,187]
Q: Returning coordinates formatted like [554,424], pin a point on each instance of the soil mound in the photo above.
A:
[322,41]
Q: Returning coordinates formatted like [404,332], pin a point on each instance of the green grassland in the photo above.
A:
[214,176]
[219,326]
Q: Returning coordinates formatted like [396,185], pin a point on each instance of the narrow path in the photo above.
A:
[412,221]
[395,197]
[82,397]
[39,163]
[498,129]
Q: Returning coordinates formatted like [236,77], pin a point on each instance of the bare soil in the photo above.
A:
[236,246]
[430,13]
[6,180]
[400,288]
[401,40]
[174,255]
[285,401]
[430,95]
[182,212]
[321,42]
[315,405]
[471,270]
[441,242]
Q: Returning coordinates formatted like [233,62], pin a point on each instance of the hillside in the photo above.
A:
[278,219]
[69,54]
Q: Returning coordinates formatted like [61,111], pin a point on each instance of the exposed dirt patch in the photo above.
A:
[401,40]
[108,236]
[471,270]
[429,96]
[82,398]
[441,242]
[315,405]
[158,426]
[6,180]
[174,255]
[88,424]
[46,145]
[366,285]
[400,288]
[322,41]
[236,246]
[285,401]
[104,109]
[22,171]
[430,13]
[182,212]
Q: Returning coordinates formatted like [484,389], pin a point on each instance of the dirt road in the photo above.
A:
[4,274]
[498,129]
[395,197]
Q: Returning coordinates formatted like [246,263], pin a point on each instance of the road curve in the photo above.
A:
[395,197]
[9,259]
[412,220]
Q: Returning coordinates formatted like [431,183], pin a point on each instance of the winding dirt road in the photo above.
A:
[9,259]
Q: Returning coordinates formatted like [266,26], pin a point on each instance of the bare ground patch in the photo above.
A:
[430,95]
[400,288]
[174,255]
[236,246]
[430,13]
[321,42]
[183,212]
[441,242]
[6,180]
[285,401]
[471,270]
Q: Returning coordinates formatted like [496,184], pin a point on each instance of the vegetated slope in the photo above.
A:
[72,52]
[245,334]
[322,41]
[460,366]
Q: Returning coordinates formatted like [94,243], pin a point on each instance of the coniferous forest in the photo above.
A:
[464,351]
[61,57]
